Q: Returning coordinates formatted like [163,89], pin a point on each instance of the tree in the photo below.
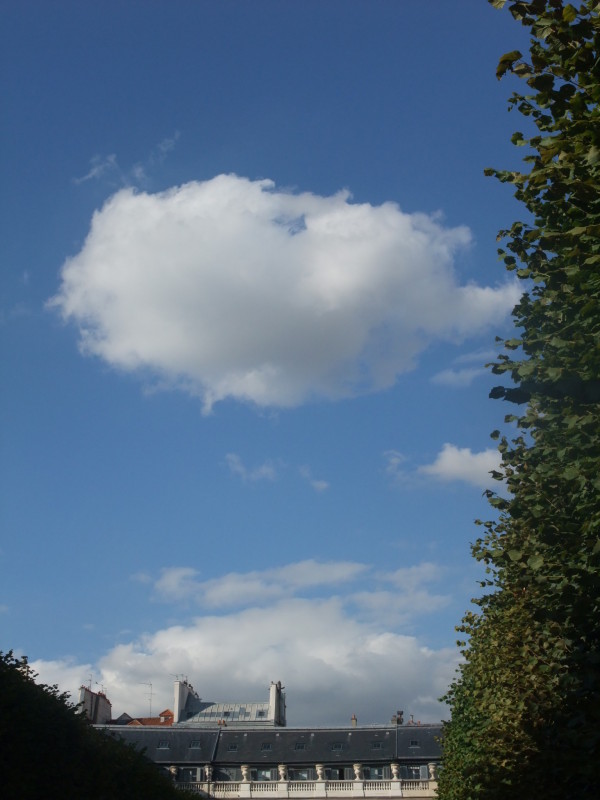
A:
[526,701]
[48,748]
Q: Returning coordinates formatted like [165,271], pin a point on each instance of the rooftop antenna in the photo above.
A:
[90,683]
[149,695]
[101,685]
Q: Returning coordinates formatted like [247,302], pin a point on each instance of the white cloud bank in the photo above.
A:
[231,288]
[333,661]
[257,586]
[460,464]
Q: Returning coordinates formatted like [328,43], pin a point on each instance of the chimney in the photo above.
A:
[353,721]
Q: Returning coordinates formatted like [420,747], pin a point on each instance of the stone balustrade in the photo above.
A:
[313,789]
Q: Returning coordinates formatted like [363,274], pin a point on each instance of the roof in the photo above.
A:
[165,720]
[232,713]
[292,746]
[182,746]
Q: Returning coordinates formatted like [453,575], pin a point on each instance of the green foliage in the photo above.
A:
[48,749]
[526,702]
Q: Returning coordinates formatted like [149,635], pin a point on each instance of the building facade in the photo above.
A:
[96,705]
[242,755]
[190,709]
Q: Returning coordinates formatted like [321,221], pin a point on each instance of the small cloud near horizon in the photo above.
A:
[461,464]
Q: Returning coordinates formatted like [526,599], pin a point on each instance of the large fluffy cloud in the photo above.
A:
[335,657]
[230,288]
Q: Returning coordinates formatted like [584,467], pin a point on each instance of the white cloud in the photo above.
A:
[337,655]
[331,664]
[411,578]
[409,597]
[177,583]
[394,461]
[66,673]
[478,357]
[460,464]
[168,144]
[262,472]
[101,166]
[230,288]
[108,169]
[465,375]
[237,589]
[457,378]
[398,607]
[318,485]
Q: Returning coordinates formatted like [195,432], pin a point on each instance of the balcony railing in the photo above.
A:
[222,790]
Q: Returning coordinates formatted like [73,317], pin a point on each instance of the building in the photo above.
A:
[164,718]
[95,705]
[189,709]
[244,755]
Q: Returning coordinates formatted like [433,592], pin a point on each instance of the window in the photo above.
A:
[232,748]
[410,772]
[163,744]
[373,773]
[335,773]
[300,746]
[227,713]
[195,744]
[261,713]
[414,742]
[376,745]
[298,774]
[266,746]
[337,747]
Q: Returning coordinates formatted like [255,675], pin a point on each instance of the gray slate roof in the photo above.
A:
[292,746]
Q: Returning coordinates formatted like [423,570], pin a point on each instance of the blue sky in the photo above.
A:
[249,285]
